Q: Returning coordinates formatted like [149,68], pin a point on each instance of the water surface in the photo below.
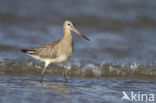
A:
[121,55]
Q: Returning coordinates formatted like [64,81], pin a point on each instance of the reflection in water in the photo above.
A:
[62,90]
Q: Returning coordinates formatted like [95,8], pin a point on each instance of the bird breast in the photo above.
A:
[67,50]
[64,51]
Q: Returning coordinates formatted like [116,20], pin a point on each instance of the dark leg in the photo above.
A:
[65,73]
[42,75]
[43,71]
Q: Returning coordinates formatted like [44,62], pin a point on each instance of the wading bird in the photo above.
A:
[55,52]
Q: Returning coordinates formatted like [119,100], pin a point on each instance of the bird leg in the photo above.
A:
[65,74]
[42,75]
[43,71]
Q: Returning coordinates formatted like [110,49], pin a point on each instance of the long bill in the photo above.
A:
[80,34]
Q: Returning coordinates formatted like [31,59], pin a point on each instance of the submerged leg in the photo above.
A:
[42,75]
[43,71]
[65,74]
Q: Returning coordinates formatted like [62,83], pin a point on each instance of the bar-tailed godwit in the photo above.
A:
[55,52]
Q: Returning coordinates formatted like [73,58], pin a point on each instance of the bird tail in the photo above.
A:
[28,51]
[24,50]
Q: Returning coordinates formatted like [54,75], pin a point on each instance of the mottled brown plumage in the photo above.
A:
[45,51]
[58,51]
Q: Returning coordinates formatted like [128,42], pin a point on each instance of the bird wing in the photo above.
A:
[45,51]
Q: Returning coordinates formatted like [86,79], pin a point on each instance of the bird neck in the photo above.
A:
[67,37]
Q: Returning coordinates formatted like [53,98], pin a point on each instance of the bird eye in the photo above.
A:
[69,24]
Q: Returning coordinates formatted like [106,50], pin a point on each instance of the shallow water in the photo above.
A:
[24,89]
[121,55]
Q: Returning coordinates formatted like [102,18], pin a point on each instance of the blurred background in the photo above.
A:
[123,44]
[121,30]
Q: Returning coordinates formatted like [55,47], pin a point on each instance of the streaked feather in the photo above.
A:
[45,51]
